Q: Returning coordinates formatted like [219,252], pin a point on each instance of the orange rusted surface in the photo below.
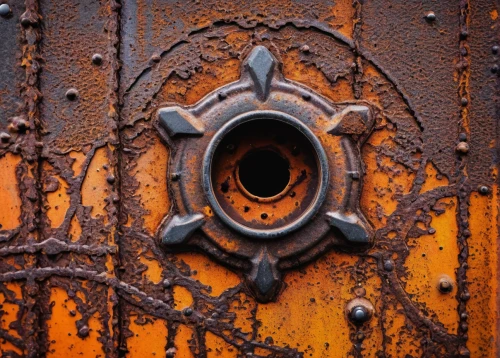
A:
[86,181]
[9,193]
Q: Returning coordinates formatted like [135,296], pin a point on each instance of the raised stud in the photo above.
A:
[72,94]
[445,285]
[176,120]
[359,310]
[4,137]
[97,59]
[462,148]
[483,190]
[430,16]
[4,10]
[351,226]
[260,65]
[180,228]
[359,314]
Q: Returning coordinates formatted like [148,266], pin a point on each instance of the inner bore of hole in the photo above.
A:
[264,173]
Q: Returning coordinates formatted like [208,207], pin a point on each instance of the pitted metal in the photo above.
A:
[286,235]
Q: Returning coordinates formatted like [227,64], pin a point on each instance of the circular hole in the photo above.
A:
[251,166]
[264,173]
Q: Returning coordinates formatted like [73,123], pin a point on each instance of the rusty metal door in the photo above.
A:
[249,178]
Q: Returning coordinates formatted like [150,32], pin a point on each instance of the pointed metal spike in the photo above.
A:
[352,227]
[260,65]
[264,279]
[179,228]
[176,120]
[353,120]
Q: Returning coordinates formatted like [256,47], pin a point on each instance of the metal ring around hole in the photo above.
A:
[321,158]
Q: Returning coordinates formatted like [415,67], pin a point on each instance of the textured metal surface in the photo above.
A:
[265,110]
[83,183]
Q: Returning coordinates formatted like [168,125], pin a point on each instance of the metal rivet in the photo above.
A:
[306,96]
[462,148]
[263,216]
[97,59]
[431,231]
[465,296]
[156,58]
[304,48]
[110,179]
[466,233]
[494,69]
[83,331]
[4,10]
[175,176]
[464,101]
[464,315]
[166,283]
[72,94]
[463,34]
[445,285]
[431,16]
[359,314]
[463,351]
[222,96]
[494,49]
[484,190]
[187,311]
[4,137]
[462,137]
[388,265]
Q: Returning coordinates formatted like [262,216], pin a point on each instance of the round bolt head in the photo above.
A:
[462,137]
[465,296]
[83,331]
[431,16]
[388,265]
[484,190]
[4,10]
[445,285]
[359,314]
[97,59]
[464,101]
[494,69]
[462,148]
[187,311]
[167,283]
[494,49]
[4,137]
[72,94]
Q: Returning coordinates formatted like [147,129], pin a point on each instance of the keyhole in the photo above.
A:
[264,173]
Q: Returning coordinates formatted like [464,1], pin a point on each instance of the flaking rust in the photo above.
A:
[83,120]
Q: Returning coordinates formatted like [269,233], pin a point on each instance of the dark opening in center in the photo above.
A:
[264,173]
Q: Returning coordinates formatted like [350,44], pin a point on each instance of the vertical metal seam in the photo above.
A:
[31,152]
[462,211]
[114,115]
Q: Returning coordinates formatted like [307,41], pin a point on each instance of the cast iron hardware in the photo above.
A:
[266,174]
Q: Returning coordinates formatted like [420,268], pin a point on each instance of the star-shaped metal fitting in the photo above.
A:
[265,174]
